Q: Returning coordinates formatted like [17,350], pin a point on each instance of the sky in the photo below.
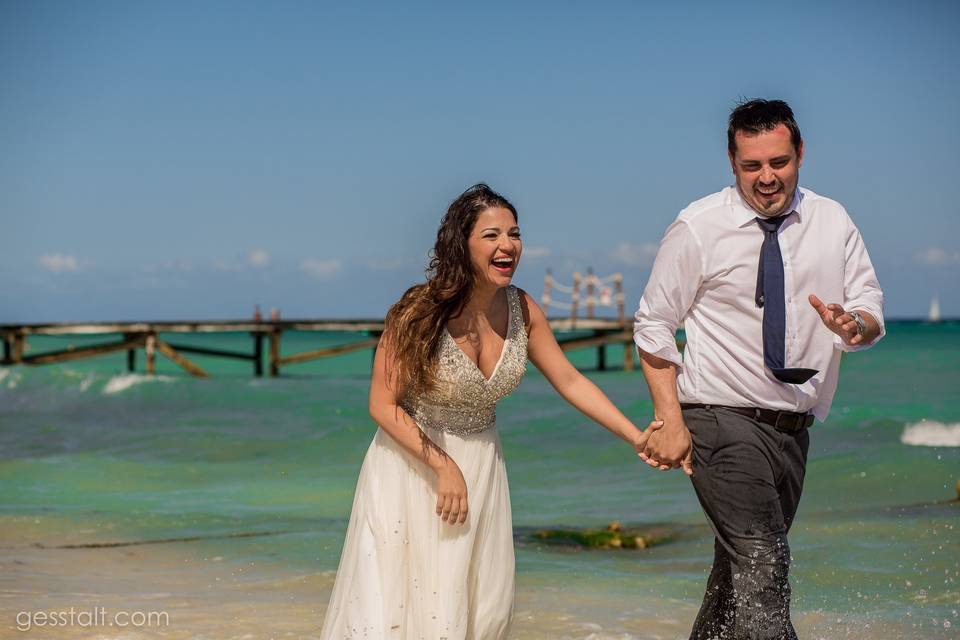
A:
[188,160]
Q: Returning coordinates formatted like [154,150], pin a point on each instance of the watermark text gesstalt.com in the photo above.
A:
[91,617]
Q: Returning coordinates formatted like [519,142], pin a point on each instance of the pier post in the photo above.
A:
[628,349]
[257,353]
[257,343]
[591,286]
[274,352]
[575,299]
[18,340]
[275,343]
[6,349]
[131,354]
[601,354]
[618,290]
[151,349]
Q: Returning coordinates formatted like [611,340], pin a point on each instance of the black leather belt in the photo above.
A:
[786,421]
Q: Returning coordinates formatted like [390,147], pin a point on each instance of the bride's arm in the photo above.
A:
[386,412]
[546,355]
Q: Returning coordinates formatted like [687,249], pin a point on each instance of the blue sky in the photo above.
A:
[191,159]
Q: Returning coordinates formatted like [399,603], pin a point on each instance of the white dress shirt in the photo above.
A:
[705,277]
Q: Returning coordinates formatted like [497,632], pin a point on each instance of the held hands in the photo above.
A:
[836,319]
[640,440]
[451,494]
[668,446]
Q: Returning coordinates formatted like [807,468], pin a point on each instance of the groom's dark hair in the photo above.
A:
[758,115]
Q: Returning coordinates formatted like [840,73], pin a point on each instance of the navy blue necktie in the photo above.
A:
[770,297]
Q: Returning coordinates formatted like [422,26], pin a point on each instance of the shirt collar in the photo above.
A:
[744,214]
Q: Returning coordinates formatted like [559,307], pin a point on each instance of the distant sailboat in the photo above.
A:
[934,314]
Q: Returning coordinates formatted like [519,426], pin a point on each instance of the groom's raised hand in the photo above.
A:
[841,322]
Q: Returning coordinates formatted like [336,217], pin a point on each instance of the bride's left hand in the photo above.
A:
[640,442]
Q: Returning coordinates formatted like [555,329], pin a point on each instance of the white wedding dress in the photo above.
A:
[404,573]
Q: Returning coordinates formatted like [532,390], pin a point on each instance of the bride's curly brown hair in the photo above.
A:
[415,324]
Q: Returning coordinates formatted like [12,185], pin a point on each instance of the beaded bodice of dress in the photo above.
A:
[463,401]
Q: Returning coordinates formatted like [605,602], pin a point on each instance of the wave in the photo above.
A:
[116,384]
[86,378]
[930,433]
[14,378]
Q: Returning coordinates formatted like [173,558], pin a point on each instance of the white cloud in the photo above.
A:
[635,255]
[258,258]
[533,252]
[937,257]
[322,269]
[56,262]
[255,259]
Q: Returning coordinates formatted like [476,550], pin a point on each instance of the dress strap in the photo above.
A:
[516,312]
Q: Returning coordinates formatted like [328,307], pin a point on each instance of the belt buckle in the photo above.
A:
[776,421]
[794,422]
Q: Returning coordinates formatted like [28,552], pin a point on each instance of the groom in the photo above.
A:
[747,271]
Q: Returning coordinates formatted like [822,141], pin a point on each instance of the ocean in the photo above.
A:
[93,456]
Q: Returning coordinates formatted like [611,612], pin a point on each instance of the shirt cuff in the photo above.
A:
[664,351]
[843,346]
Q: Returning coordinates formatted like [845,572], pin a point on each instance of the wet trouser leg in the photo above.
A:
[748,478]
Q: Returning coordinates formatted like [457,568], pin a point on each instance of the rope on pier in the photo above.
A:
[598,293]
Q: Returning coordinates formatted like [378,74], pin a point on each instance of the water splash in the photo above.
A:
[86,378]
[930,433]
[12,378]
[116,384]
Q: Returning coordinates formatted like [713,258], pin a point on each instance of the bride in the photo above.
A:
[429,547]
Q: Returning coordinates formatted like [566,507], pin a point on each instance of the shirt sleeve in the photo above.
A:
[674,281]
[861,290]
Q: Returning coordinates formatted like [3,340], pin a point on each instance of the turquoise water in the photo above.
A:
[101,455]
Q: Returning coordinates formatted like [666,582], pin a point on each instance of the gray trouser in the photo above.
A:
[748,477]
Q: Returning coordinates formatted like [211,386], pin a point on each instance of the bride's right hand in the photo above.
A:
[451,494]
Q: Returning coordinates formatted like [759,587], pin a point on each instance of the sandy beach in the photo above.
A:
[198,596]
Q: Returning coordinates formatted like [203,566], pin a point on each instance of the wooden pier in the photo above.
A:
[593,333]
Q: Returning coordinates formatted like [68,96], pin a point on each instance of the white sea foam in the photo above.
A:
[930,433]
[14,378]
[86,378]
[116,384]
[85,383]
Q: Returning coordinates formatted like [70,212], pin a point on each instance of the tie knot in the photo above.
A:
[771,225]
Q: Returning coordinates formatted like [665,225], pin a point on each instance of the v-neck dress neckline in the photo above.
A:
[503,350]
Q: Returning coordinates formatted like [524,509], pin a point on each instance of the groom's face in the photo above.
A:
[767,167]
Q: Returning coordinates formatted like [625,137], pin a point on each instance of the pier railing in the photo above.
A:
[592,333]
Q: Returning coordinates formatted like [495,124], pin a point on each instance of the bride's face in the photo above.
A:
[495,246]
